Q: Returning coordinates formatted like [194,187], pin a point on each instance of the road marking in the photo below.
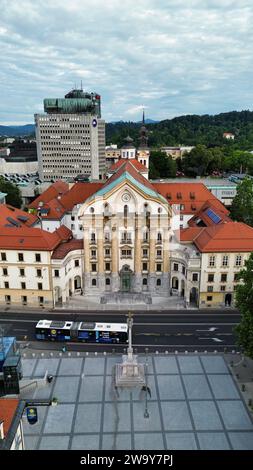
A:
[209,329]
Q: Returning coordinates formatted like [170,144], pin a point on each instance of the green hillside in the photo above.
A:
[190,130]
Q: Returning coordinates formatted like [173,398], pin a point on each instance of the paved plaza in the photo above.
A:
[194,404]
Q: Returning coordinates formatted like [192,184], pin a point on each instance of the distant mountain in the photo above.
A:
[17,131]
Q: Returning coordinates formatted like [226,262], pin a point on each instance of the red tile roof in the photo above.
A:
[78,194]
[8,409]
[24,238]
[134,162]
[225,237]
[57,188]
[189,234]
[21,217]
[62,250]
[191,195]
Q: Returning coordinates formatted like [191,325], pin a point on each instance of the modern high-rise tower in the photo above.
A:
[71,137]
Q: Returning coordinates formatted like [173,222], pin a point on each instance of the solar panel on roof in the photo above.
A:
[214,217]
[23,218]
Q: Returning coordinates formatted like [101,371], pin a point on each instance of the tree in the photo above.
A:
[13,193]
[244,302]
[242,205]
[162,166]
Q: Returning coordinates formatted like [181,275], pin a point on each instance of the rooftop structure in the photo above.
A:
[76,101]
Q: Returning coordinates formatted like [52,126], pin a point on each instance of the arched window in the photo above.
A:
[144,281]
[159,237]
[108,281]
[158,282]
[94,282]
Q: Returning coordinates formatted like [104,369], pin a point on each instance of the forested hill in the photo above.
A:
[190,130]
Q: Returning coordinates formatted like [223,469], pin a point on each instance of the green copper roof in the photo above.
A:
[127,176]
[75,101]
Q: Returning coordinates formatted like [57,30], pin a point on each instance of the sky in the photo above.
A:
[170,57]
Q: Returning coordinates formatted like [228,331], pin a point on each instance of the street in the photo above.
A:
[171,331]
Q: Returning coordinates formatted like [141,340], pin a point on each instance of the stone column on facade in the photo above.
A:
[166,255]
[115,261]
[152,245]
[137,254]
[100,255]
[86,250]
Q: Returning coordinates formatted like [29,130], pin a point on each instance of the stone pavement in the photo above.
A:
[195,403]
[78,302]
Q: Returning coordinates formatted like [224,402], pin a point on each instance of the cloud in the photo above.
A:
[171,57]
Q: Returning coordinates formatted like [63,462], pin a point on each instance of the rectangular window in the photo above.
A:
[210,278]
[37,258]
[144,266]
[56,273]
[159,267]
[5,272]
[41,300]
[23,285]
[223,278]
[211,260]
[181,218]
[209,288]
[39,272]
[6,285]
[93,237]
[24,299]
[225,260]
[72,217]
[126,253]
[22,272]
[94,267]
[159,253]
[175,267]
[145,252]
[108,266]
[107,252]
[195,276]
[236,277]
[40,286]
[223,288]
[238,260]
[3,256]
[209,298]
[76,263]
[183,269]
[93,253]
[20,257]
[8,299]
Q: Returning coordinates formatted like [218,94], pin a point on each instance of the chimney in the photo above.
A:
[1,430]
